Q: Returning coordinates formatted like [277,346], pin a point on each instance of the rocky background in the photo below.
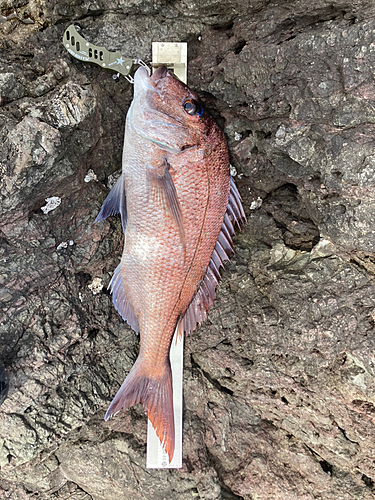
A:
[279,383]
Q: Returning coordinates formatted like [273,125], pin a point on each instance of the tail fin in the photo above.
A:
[156,396]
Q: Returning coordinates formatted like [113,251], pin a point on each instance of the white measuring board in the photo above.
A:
[157,457]
[174,56]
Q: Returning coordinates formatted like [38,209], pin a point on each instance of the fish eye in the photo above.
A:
[192,107]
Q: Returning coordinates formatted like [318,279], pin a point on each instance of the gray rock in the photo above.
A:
[4,384]
[279,382]
[10,88]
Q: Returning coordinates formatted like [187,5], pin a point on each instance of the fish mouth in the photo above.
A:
[143,74]
[144,79]
[159,74]
[144,82]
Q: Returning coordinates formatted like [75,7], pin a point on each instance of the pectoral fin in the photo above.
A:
[163,192]
[115,203]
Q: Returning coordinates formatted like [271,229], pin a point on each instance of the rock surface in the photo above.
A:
[279,383]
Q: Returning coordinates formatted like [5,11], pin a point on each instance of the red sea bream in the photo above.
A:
[178,206]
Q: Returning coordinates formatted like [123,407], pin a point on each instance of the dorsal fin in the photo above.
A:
[115,203]
[197,311]
[235,203]
[120,301]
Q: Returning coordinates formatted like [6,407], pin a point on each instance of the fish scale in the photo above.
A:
[178,205]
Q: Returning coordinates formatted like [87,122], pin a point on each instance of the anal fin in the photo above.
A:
[120,301]
[115,203]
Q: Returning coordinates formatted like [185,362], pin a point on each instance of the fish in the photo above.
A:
[178,206]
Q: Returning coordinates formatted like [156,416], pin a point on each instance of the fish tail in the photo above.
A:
[156,396]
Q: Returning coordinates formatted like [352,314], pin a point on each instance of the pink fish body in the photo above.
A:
[178,205]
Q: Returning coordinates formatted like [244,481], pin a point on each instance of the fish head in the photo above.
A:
[167,112]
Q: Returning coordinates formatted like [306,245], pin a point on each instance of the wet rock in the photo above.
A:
[279,381]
